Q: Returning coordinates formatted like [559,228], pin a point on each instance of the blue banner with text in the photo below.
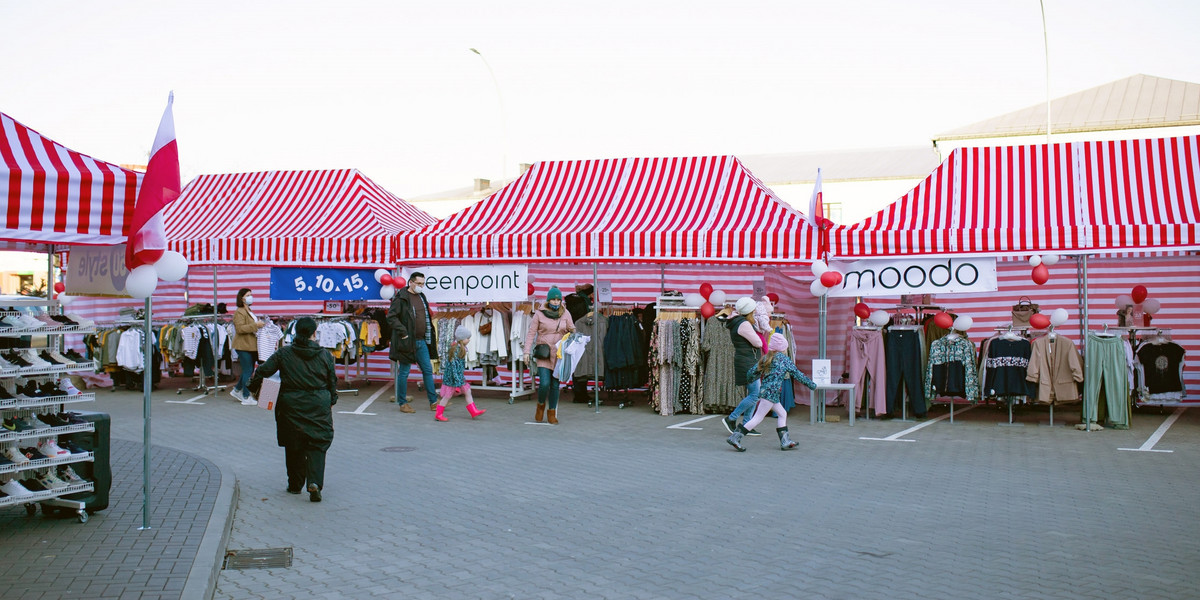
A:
[295,283]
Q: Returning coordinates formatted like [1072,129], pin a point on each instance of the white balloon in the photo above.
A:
[172,266]
[693,299]
[880,318]
[817,289]
[819,267]
[387,291]
[1124,300]
[142,282]
[963,323]
[1035,260]
[1058,316]
[1050,259]
[1151,306]
[66,300]
[717,298]
[380,273]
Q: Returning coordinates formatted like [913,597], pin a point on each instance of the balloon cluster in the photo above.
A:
[1041,264]
[708,300]
[1139,295]
[1056,318]
[825,278]
[143,277]
[388,284]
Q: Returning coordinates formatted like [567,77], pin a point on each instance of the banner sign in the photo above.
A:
[483,283]
[892,277]
[97,271]
[297,283]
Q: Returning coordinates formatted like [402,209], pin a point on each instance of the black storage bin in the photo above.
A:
[100,470]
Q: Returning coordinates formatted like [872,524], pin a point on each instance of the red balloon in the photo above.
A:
[1041,274]
[529,289]
[706,289]
[1139,293]
[861,310]
[60,287]
[773,297]
[943,320]
[1039,321]
[398,282]
[707,310]
[830,278]
[386,279]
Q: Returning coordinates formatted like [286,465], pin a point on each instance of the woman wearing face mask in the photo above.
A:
[245,342]
[548,326]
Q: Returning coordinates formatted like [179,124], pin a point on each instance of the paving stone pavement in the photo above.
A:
[616,505]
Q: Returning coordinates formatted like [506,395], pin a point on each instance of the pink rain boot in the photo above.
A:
[438,415]
[475,412]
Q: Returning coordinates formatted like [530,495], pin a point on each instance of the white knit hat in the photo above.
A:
[462,333]
[745,305]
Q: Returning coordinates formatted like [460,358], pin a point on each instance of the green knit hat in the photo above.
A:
[554,294]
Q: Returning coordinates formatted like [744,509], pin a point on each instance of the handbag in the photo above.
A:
[541,351]
[1022,310]
[486,328]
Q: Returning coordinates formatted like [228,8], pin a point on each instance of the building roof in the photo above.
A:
[1136,102]
[843,165]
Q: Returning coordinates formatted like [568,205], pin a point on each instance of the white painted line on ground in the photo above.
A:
[1158,434]
[895,437]
[681,425]
[188,401]
[532,423]
[365,404]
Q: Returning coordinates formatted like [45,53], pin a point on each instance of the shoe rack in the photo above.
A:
[19,403]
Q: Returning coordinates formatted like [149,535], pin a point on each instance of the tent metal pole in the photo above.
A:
[596,338]
[1081,266]
[213,342]
[818,396]
[148,362]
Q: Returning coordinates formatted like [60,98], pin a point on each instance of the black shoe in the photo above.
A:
[294,490]
[73,355]
[730,424]
[314,493]
[15,359]
[72,447]
[753,432]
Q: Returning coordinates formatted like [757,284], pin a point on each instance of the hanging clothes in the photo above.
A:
[1105,381]
[867,359]
[951,370]
[1055,366]
[720,390]
[595,326]
[1161,366]
[1005,367]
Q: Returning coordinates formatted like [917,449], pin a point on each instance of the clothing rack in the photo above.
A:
[516,387]
[201,386]
[346,377]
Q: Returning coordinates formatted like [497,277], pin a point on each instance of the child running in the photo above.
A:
[453,380]
[772,369]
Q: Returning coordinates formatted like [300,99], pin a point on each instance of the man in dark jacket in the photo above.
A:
[304,410]
[414,339]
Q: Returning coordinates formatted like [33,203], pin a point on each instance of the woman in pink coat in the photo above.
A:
[548,326]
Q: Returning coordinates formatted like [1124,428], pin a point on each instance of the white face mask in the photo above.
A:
[247,299]
[417,288]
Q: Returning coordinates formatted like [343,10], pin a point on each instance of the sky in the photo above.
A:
[392,89]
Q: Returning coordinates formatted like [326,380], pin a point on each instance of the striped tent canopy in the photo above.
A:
[327,218]
[1071,197]
[54,195]
[647,210]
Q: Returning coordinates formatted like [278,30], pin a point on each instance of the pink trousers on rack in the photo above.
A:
[866,357]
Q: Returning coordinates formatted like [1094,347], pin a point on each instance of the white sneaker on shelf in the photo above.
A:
[31,322]
[14,489]
[50,449]
[249,400]
[82,322]
[50,482]
[16,456]
[33,359]
[68,387]
[68,475]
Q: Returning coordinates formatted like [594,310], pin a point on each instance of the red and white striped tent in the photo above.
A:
[1070,198]
[709,210]
[54,195]
[331,218]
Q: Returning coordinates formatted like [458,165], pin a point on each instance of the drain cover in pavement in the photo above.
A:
[269,558]
[398,449]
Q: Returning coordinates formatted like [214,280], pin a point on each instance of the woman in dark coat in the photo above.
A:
[303,413]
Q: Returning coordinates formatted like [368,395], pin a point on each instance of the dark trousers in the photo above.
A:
[305,463]
[902,353]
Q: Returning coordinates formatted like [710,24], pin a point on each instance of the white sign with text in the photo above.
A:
[484,283]
[97,271]
[895,276]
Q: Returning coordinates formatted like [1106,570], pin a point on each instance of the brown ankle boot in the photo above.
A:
[552,416]
[541,411]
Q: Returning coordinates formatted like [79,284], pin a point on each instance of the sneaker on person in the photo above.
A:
[753,432]
[249,400]
[730,424]
[237,395]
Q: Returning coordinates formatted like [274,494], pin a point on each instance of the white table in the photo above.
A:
[816,410]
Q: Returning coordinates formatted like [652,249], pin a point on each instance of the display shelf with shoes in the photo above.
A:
[41,462]
[32,496]
[55,369]
[22,403]
[8,435]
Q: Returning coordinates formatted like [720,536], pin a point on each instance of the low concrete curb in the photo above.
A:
[202,579]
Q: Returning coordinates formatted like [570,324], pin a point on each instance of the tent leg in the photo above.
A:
[596,348]
[817,407]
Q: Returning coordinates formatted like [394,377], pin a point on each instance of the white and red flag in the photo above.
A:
[160,186]
[816,207]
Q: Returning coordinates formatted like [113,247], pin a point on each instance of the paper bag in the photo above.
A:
[269,393]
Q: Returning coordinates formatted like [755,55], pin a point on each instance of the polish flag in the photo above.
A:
[160,186]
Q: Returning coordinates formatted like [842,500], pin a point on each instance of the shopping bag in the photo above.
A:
[268,394]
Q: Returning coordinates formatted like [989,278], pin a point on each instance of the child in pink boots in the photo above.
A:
[453,381]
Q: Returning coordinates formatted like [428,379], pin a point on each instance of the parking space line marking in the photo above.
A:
[365,404]
[1158,434]
[681,425]
[532,423]
[895,437]
[188,401]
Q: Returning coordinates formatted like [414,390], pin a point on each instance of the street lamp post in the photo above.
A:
[503,117]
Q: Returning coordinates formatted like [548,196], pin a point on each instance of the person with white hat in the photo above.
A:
[747,348]
[772,370]
[454,382]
